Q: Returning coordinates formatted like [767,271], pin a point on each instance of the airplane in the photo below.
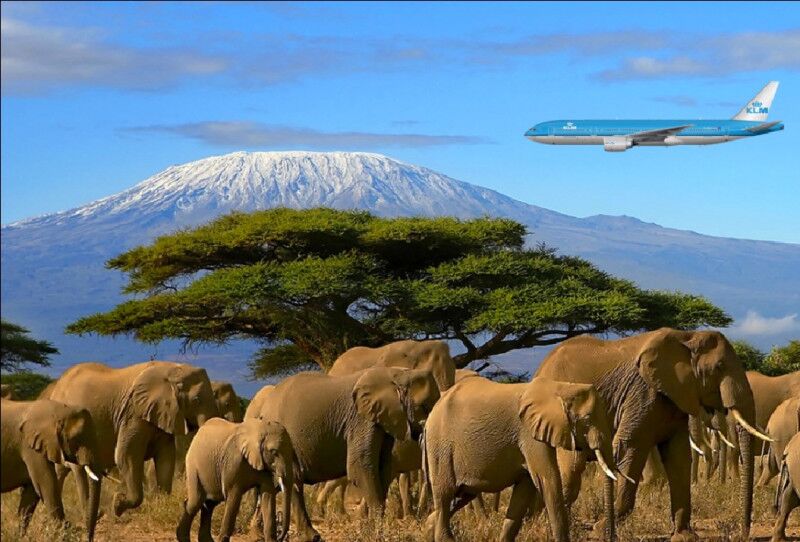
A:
[621,135]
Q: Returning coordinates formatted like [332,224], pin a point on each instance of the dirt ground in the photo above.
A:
[715,509]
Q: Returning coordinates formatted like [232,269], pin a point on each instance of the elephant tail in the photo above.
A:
[782,483]
[423,441]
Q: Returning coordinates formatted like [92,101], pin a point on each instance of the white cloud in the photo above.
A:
[241,134]
[755,324]
[714,55]
[41,58]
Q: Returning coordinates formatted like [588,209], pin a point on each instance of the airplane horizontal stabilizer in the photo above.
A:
[763,127]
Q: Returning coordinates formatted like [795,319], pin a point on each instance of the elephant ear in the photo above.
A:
[40,429]
[153,397]
[665,363]
[543,409]
[420,387]
[377,398]
[249,440]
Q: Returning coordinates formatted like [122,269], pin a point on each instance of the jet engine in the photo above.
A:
[616,144]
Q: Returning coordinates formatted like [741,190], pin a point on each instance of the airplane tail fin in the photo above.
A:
[757,109]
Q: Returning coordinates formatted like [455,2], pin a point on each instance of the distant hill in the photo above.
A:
[53,272]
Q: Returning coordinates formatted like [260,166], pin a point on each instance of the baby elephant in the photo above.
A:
[227,459]
[788,496]
[37,436]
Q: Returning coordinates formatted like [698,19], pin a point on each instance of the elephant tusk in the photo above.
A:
[628,478]
[728,443]
[749,428]
[115,480]
[91,473]
[695,447]
[604,465]
[281,484]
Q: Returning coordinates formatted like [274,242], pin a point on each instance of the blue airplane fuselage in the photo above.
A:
[596,132]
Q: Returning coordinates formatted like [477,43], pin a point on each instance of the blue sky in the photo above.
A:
[96,97]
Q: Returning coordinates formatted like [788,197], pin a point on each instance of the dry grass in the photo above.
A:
[715,510]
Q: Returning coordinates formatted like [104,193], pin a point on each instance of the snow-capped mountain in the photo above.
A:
[52,266]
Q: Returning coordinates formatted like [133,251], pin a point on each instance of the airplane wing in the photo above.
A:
[656,135]
[763,127]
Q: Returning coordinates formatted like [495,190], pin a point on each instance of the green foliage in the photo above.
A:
[309,284]
[784,359]
[18,349]
[780,360]
[27,385]
[751,357]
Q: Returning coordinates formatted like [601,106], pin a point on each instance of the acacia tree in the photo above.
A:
[780,360]
[309,284]
[17,348]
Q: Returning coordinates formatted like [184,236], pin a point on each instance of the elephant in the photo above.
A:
[652,382]
[347,425]
[228,404]
[431,355]
[37,436]
[228,407]
[484,436]
[768,393]
[406,457]
[787,496]
[224,461]
[138,411]
[782,426]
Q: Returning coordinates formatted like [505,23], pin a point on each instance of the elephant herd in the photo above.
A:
[402,410]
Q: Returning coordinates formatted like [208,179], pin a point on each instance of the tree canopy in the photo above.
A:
[309,284]
[18,349]
[779,361]
[27,385]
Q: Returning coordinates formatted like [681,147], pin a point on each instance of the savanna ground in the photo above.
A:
[715,513]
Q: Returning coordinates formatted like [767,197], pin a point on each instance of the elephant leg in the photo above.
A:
[769,471]
[206,513]
[496,506]
[723,462]
[305,530]
[632,464]
[442,501]
[82,482]
[28,500]
[164,461]
[46,485]
[326,496]
[695,465]
[422,502]
[478,506]
[521,496]
[404,483]
[572,466]
[232,502]
[195,496]
[550,484]
[369,468]
[132,471]
[268,495]
[788,502]
[676,454]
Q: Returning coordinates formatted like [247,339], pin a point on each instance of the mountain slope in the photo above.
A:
[52,266]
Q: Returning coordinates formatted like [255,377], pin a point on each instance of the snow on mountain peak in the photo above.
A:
[256,180]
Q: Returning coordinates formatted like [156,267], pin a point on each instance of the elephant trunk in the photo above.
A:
[738,397]
[746,481]
[92,508]
[286,481]
[608,505]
